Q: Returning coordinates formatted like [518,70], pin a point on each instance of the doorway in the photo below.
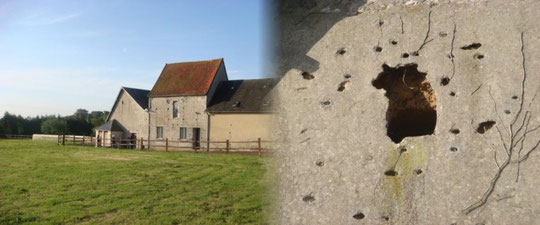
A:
[196,138]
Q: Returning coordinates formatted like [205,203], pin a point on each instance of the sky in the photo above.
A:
[57,56]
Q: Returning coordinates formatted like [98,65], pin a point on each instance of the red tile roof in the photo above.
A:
[186,78]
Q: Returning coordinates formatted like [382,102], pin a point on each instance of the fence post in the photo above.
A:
[73,139]
[63,139]
[259,146]
[83,140]
[167,144]
[141,146]
[227,146]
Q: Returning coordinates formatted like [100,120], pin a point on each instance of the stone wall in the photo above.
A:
[132,117]
[191,114]
[466,60]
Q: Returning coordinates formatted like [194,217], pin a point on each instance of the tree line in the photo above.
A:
[80,123]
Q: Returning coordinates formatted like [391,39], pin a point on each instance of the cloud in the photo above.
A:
[39,20]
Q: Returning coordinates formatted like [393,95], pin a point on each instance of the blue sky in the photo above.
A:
[60,55]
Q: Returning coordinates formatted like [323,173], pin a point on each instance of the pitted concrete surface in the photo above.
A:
[337,165]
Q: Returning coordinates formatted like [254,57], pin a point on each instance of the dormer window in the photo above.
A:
[175,109]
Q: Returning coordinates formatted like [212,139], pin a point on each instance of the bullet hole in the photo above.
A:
[415,53]
[445,81]
[417,171]
[515,97]
[393,42]
[347,76]
[452,94]
[303,131]
[381,23]
[307,76]
[478,56]
[308,198]
[391,173]
[485,126]
[454,131]
[341,51]
[453,149]
[507,111]
[359,216]
[343,85]
[405,55]
[442,34]
[319,163]
[385,218]
[377,49]
[326,103]
[402,150]
[471,46]
[411,109]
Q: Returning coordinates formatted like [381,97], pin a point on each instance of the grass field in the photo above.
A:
[43,183]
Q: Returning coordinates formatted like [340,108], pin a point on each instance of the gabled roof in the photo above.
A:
[140,96]
[186,78]
[242,96]
[111,125]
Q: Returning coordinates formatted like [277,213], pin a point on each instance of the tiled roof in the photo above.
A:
[186,78]
[111,125]
[242,96]
[140,96]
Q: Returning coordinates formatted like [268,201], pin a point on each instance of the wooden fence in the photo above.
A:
[13,136]
[258,147]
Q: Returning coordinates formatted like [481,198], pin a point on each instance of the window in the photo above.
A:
[174,109]
[183,133]
[159,132]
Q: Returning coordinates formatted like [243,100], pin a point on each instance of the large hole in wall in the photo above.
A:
[411,107]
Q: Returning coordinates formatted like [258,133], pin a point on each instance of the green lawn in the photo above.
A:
[43,183]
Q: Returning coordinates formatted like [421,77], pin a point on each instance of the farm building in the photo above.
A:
[190,105]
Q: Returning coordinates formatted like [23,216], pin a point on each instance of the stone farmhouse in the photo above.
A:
[192,104]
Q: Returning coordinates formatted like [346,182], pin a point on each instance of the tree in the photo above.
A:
[81,114]
[54,126]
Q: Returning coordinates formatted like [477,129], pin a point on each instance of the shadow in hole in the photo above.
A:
[411,106]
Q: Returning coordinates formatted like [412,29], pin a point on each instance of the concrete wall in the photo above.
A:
[241,127]
[190,114]
[131,116]
[336,163]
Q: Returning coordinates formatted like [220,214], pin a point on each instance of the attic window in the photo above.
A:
[236,104]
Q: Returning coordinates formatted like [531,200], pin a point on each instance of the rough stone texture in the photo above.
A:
[334,149]
[130,115]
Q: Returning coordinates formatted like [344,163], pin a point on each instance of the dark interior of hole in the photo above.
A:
[307,76]
[359,216]
[341,51]
[471,46]
[390,173]
[445,81]
[377,49]
[409,112]
[405,55]
[485,126]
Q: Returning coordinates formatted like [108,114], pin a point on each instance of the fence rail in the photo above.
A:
[13,136]
[227,146]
